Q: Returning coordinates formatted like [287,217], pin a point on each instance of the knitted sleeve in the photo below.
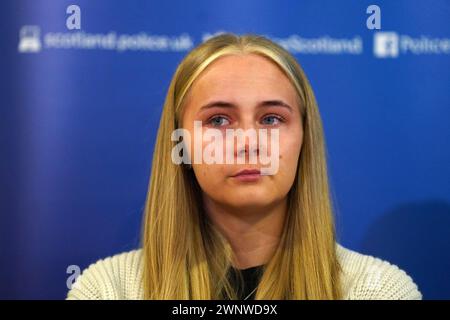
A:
[370,278]
[116,277]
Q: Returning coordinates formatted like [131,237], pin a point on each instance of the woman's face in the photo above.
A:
[244,84]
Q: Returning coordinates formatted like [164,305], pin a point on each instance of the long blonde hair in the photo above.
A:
[185,257]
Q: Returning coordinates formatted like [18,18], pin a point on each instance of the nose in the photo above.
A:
[247,150]
[246,141]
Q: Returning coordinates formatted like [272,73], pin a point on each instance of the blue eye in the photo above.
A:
[275,120]
[217,121]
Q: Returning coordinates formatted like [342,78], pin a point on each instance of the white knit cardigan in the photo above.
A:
[364,278]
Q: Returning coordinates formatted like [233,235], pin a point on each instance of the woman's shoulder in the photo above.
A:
[367,277]
[114,277]
[363,277]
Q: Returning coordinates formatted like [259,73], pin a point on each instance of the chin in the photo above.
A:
[242,198]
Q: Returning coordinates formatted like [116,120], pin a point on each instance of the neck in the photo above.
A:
[253,233]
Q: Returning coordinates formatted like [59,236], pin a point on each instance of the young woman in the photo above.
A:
[216,230]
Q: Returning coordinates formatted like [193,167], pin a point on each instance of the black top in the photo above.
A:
[251,278]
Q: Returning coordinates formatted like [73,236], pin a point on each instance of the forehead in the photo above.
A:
[245,76]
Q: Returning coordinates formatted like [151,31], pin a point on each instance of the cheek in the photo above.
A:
[289,154]
[210,177]
[289,151]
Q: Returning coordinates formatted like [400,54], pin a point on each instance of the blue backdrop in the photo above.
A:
[80,109]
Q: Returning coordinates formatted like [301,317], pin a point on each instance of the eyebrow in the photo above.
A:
[266,103]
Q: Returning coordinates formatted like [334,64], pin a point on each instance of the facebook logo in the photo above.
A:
[385,45]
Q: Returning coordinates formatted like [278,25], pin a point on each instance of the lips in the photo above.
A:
[248,172]
[248,175]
